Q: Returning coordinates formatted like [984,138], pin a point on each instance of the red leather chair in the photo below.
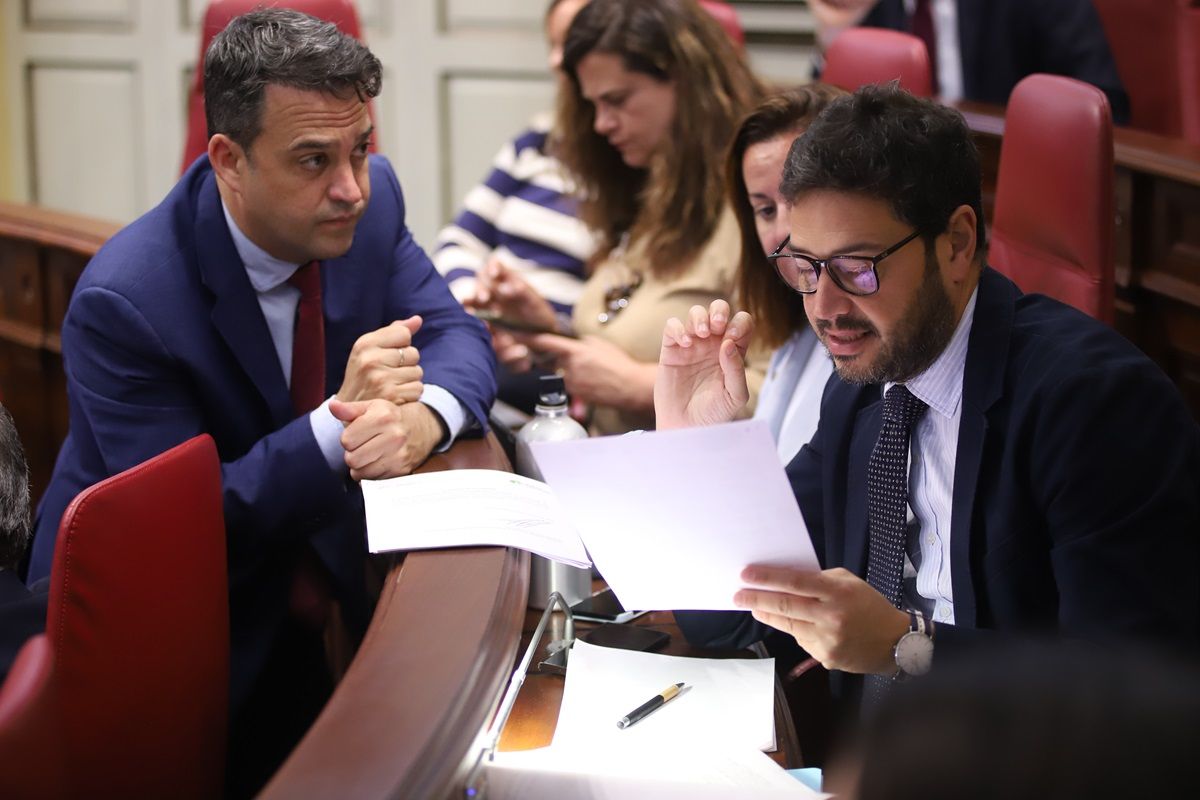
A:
[32,767]
[860,56]
[1053,226]
[339,12]
[728,17]
[139,624]
[1156,44]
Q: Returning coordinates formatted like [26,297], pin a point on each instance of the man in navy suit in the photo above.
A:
[186,322]
[1051,481]
[982,48]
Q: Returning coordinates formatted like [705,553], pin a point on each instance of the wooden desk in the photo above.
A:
[42,253]
[535,714]
[1157,240]
[428,676]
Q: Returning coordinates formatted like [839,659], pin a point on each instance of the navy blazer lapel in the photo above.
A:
[236,314]
[983,384]
[866,431]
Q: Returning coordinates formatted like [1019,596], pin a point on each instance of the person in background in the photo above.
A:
[1042,719]
[656,90]
[522,217]
[987,465]
[790,398]
[22,610]
[275,300]
[981,49]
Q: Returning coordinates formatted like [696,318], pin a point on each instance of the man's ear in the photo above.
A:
[962,242]
[228,159]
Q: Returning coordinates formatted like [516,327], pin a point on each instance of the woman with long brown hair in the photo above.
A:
[790,398]
[655,91]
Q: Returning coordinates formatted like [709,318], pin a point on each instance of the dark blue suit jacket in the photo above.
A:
[164,339]
[1003,41]
[1076,498]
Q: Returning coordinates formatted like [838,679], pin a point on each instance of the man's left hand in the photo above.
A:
[834,615]
[385,440]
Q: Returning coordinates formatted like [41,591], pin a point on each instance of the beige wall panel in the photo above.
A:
[481,113]
[87,139]
[519,14]
[85,13]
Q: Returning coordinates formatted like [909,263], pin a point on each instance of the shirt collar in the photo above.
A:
[940,385]
[265,271]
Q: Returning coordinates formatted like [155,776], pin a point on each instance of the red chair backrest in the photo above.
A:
[1053,226]
[139,623]
[860,56]
[218,15]
[1156,44]
[29,734]
[728,17]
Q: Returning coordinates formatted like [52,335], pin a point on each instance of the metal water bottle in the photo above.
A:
[551,423]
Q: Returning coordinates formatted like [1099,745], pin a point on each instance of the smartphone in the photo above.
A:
[603,607]
[626,637]
[521,326]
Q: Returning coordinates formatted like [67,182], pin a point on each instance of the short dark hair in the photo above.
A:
[285,47]
[914,154]
[14,494]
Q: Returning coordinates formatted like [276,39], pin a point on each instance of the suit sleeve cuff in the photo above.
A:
[453,413]
[328,432]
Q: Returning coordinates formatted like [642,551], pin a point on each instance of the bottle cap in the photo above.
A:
[552,391]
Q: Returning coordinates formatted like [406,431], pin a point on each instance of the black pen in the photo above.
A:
[650,705]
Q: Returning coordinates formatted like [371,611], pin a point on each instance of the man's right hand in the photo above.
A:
[702,368]
[384,365]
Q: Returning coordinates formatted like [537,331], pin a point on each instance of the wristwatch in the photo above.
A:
[914,651]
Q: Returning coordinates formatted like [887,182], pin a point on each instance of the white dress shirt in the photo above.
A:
[278,300]
[933,452]
[949,51]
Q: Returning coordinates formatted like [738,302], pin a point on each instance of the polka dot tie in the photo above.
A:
[887,503]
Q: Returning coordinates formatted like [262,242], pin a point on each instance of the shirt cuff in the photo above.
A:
[451,410]
[328,431]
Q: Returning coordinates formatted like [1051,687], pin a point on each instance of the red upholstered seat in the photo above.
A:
[728,17]
[1156,44]
[860,56]
[30,761]
[139,624]
[1053,226]
[339,12]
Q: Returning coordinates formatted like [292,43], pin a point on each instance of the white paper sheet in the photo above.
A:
[727,701]
[665,771]
[670,518]
[468,507]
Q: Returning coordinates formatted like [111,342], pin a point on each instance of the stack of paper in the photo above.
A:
[704,743]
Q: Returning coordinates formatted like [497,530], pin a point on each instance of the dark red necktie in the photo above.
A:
[308,344]
[922,27]
[311,594]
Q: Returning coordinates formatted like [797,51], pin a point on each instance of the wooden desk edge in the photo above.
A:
[430,672]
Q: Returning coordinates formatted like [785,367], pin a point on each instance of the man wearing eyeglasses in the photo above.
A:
[985,460]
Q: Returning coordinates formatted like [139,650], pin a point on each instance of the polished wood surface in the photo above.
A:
[429,673]
[42,253]
[535,714]
[1157,240]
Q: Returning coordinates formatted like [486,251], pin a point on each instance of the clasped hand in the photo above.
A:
[387,432]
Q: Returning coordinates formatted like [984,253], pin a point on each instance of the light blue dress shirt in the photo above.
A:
[278,300]
[933,453]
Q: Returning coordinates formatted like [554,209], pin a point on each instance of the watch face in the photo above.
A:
[914,653]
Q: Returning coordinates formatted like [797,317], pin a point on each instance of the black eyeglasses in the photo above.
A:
[853,274]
